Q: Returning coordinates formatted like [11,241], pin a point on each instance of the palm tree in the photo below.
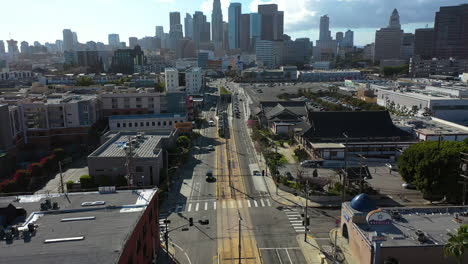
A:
[457,244]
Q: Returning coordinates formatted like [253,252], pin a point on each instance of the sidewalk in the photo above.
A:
[344,252]
[311,250]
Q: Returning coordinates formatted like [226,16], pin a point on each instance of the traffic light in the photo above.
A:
[191,221]
[308,221]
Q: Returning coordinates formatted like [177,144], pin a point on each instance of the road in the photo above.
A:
[243,218]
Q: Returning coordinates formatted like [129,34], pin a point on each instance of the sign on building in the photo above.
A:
[379,217]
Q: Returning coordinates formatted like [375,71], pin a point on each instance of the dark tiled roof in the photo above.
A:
[359,124]
[298,108]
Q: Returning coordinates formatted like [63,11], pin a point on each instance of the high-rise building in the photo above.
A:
[174,18]
[407,46]
[245,32]
[295,52]
[255,29]
[114,40]
[24,46]
[348,40]
[185,49]
[91,46]
[124,60]
[451,32]
[424,42]
[325,33]
[269,53]
[132,42]
[90,59]
[75,40]
[175,34]
[2,47]
[59,44]
[188,26]
[12,47]
[272,22]
[234,25]
[225,36]
[160,32]
[201,29]
[388,40]
[68,40]
[339,38]
[217,24]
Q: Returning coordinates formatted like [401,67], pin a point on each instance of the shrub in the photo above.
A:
[87,182]
[22,177]
[59,154]
[36,169]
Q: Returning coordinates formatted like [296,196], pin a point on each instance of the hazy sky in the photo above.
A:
[43,20]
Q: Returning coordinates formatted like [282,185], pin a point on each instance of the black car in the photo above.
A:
[210,177]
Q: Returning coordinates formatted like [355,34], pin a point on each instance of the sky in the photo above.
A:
[44,20]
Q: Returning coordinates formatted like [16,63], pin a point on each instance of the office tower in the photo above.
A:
[159,31]
[369,51]
[348,40]
[407,46]
[37,44]
[59,44]
[75,40]
[132,42]
[199,24]
[12,47]
[122,45]
[255,29]
[89,59]
[234,25]
[91,46]
[25,47]
[2,47]
[124,60]
[217,24]
[295,52]
[225,36]
[451,32]
[188,26]
[339,38]
[68,40]
[114,40]
[424,42]
[269,53]
[185,49]
[175,34]
[325,33]
[245,32]
[388,40]
[174,18]
[206,32]
[272,22]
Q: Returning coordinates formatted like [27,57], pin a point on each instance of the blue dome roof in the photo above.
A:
[363,203]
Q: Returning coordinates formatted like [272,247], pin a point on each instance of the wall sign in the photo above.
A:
[379,217]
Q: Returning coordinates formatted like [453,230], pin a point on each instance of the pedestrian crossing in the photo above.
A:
[295,219]
[224,204]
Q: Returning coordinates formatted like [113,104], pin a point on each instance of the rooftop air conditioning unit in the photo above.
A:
[421,236]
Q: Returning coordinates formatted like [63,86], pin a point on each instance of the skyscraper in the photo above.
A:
[199,23]
[339,38]
[255,29]
[388,40]
[114,40]
[175,34]
[174,19]
[160,32]
[188,26]
[272,22]
[12,47]
[348,40]
[217,24]
[68,40]
[325,33]
[25,47]
[245,32]
[132,42]
[59,44]
[424,42]
[407,46]
[75,39]
[225,36]
[234,25]
[2,47]
[451,32]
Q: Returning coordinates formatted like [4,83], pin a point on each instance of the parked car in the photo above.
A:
[210,177]
[289,176]
[309,164]
[256,173]
[408,186]
[210,148]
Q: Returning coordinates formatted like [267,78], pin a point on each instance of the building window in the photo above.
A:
[164,123]
[124,124]
[142,124]
[153,123]
[175,122]
[147,124]
[139,169]
[159,123]
[170,123]
[130,124]
[118,124]
[136,124]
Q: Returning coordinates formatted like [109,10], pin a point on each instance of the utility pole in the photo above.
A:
[240,237]
[166,237]
[464,174]
[167,175]
[61,177]
[345,174]
[305,212]
[129,163]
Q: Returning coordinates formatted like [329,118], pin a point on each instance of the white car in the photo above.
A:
[408,186]
[210,148]
[256,173]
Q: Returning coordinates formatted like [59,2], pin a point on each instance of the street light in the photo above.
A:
[343,187]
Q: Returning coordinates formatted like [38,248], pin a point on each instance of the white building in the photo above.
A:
[193,80]
[171,79]
[152,122]
[329,76]
[268,53]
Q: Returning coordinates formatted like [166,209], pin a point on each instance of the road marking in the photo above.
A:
[295,221]
[189,207]
[279,258]
[206,206]
[239,204]
[261,201]
[288,248]
[289,257]
[224,204]
[248,203]
[196,207]
[296,224]
[214,205]
[268,202]
[231,204]
[255,203]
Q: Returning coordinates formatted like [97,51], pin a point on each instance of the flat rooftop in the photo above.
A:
[168,115]
[104,236]
[435,222]
[432,126]
[145,147]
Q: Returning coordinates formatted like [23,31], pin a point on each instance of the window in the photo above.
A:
[147,124]
[138,99]
[164,123]
[139,169]
[130,124]
[170,123]
[153,123]
[175,122]
[142,124]
[136,124]
[118,124]
[124,124]
[159,123]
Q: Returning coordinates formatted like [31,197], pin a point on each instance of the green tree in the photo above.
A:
[87,182]
[183,142]
[457,244]
[59,154]
[433,168]
[84,81]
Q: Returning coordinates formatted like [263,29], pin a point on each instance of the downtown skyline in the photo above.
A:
[304,22]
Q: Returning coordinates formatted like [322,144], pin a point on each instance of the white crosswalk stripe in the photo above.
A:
[206,206]
[295,219]
[226,204]
[189,207]
[196,207]
[268,202]
[248,203]
[255,203]
[214,205]
[261,201]
[239,204]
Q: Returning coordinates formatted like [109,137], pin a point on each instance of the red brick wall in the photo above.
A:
[144,242]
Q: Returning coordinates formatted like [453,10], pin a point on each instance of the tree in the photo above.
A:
[183,142]
[457,244]
[59,154]
[87,182]
[433,168]
[301,154]
[84,81]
